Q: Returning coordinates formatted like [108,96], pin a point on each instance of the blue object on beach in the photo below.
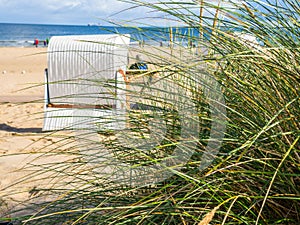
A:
[142,66]
[139,66]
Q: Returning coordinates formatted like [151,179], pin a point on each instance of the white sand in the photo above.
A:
[20,124]
[21,80]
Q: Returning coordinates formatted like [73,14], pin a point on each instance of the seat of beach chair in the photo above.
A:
[85,82]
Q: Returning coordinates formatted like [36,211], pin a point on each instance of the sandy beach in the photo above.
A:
[21,107]
[21,79]
[21,120]
[22,68]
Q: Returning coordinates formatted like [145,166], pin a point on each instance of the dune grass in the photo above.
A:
[254,178]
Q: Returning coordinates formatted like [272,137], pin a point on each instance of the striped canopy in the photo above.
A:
[82,78]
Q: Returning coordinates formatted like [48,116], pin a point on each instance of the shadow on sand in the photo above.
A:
[8,128]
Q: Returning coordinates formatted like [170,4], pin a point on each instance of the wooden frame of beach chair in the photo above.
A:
[85,83]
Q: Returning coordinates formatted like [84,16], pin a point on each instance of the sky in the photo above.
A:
[82,12]
[79,12]
[75,12]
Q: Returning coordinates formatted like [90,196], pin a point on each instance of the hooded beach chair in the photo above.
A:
[85,83]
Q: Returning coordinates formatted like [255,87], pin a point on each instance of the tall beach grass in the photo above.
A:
[254,177]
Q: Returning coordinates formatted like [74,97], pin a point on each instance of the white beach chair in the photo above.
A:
[85,82]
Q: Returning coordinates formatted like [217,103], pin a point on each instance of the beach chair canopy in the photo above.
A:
[82,78]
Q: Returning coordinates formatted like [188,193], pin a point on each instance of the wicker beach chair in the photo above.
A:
[85,83]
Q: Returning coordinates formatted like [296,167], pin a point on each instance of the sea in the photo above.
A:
[23,35]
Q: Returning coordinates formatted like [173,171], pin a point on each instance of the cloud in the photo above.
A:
[57,11]
[85,11]
[152,12]
[55,5]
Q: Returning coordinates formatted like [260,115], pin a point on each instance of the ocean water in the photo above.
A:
[23,35]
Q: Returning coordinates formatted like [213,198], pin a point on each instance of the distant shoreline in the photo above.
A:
[15,35]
